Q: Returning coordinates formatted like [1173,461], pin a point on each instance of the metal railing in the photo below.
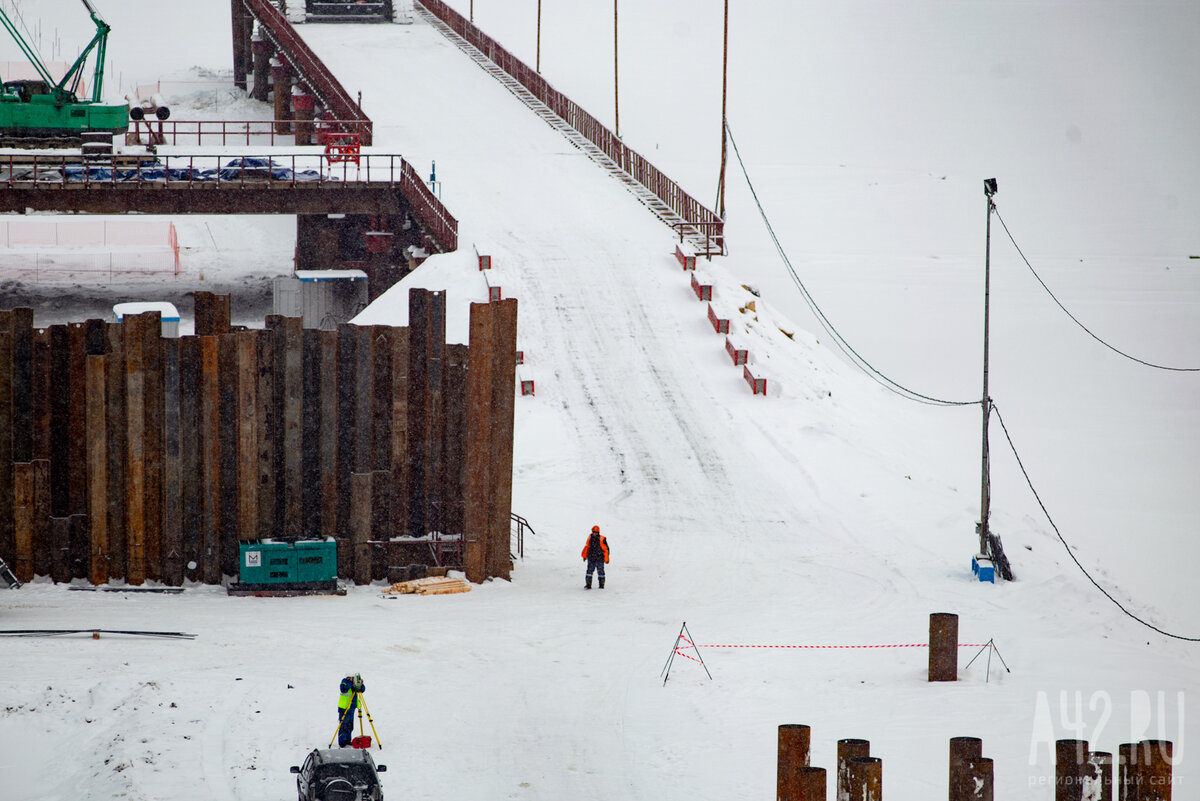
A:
[273,171]
[517,530]
[634,164]
[238,132]
[313,72]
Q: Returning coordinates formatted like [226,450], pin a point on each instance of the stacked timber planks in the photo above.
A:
[433,585]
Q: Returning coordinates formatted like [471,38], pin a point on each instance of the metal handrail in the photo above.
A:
[239,131]
[521,525]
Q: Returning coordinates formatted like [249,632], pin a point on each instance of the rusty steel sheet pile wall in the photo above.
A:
[633,163]
[128,456]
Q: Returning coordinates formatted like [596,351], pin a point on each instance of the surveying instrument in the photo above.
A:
[357,700]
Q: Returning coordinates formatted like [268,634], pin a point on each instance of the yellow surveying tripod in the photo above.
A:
[362,707]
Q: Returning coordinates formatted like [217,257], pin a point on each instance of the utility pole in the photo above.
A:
[539,38]
[724,95]
[989,190]
[616,96]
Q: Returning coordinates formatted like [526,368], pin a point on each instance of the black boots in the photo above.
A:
[602,582]
[587,582]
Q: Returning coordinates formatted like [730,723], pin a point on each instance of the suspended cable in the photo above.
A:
[1074,319]
[1068,547]
[840,341]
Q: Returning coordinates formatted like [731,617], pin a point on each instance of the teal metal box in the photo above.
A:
[270,562]
[316,560]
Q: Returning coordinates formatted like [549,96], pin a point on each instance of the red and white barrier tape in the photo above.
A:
[900,645]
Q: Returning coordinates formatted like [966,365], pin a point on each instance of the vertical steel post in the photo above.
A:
[985,491]
[152,432]
[1101,763]
[1154,770]
[1069,760]
[848,749]
[172,474]
[616,82]
[22,384]
[210,450]
[480,365]
[962,751]
[360,527]
[22,521]
[865,775]
[792,754]
[97,473]
[116,436]
[504,352]
[943,646]
[7,535]
[191,464]
[328,446]
[724,96]
[43,557]
[246,343]
[135,445]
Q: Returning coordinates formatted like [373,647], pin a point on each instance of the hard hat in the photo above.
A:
[595,529]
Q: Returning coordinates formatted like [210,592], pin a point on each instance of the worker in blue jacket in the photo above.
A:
[349,689]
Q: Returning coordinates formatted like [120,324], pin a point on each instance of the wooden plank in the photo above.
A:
[172,477]
[210,448]
[22,384]
[191,465]
[135,444]
[153,438]
[116,437]
[22,517]
[247,435]
[227,453]
[328,432]
[95,371]
[43,552]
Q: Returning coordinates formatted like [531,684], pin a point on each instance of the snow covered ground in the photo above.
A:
[830,513]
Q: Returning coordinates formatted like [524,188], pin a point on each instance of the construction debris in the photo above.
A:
[430,586]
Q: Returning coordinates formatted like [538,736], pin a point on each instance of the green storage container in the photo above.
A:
[270,562]
[316,560]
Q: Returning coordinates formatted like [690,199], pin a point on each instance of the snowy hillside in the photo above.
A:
[832,512]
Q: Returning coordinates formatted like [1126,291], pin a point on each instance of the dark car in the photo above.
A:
[339,774]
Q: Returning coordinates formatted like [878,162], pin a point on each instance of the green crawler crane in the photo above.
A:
[44,111]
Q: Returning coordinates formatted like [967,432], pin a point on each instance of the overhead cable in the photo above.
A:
[1068,547]
[838,339]
[1074,319]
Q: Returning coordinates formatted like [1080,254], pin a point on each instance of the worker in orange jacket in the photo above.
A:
[596,554]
